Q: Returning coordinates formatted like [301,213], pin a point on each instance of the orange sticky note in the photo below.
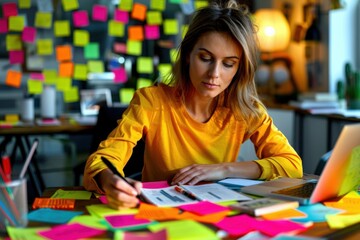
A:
[136,33]
[149,211]
[139,11]
[66,69]
[13,78]
[63,53]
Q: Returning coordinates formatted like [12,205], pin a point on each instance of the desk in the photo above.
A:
[317,230]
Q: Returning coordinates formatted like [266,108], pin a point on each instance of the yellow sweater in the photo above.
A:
[174,140]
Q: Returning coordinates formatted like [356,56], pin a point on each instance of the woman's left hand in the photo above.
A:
[195,173]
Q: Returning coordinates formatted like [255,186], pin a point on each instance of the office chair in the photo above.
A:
[106,122]
[322,162]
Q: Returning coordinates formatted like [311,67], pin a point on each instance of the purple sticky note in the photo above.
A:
[80,18]
[119,75]
[203,208]
[28,34]
[122,221]
[3,26]
[16,57]
[9,9]
[71,231]
[152,32]
[121,16]
[99,13]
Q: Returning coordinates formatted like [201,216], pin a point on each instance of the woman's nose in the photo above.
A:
[214,71]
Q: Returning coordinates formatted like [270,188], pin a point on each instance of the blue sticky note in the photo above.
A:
[315,213]
[52,215]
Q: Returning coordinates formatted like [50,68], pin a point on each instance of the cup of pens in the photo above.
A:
[13,204]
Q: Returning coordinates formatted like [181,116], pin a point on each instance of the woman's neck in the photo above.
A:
[200,110]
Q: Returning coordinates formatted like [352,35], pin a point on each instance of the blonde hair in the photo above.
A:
[233,19]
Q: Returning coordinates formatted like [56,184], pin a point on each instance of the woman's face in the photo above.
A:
[213,61]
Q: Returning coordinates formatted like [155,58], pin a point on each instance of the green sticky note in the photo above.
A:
[61,28]
[80,71]
[126,5]
[116,29]
[95,66]
[63,83]
[45,46]
[154,18]
[171,26]
[71,95]
[43,20]
[25,233]
[81,38]
[50,76]
[91,51]
[158,4]
[16,23]
[126,94]
[144,65]
[143,82]
[134,47]
[70,5]
[34,86]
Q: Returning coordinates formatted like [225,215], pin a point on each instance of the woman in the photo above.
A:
[193,127]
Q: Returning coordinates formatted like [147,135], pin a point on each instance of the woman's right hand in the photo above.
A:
[119,193]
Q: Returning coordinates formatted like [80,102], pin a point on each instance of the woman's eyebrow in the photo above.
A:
[204,49]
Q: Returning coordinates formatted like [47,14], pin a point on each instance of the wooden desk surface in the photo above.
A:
[317,230]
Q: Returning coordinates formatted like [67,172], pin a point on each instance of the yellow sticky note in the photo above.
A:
[16,23]
[337,221]
[80,72]
[171,27]
[13,42]
[126,94]
[25,233]
[71,95]
[43,20]
[95,66]
[158,4]
[50,76]
[12,118]
[63,83]
[143,82]
[102,210]
[173,55]
[70,5]
[90,221]
[154,18]
[165,70]
[134,47]
[61,28]
[13,78]
[34,86]
[24,3]
[44,46]
[184,30]
[81,38]
[126,5]
[200,4]
[116,29]
[145,65]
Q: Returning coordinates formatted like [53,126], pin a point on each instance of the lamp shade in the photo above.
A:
[273,30]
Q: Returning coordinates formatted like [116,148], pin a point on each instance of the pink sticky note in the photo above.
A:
[3,26]
[80,18]
[237,225]
[103,199]
[120,75]
[16,57]
[9,9]
[156,184]
[28,34]
[118,221]
[37,76]
[121,16]
[273,228]
[120,47]
[152,32]
[71,231]
[203,208]
[99,13]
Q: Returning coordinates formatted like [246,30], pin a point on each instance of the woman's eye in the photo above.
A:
[228,65]
[205,58]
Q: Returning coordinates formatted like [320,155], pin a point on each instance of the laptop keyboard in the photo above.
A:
[303,190]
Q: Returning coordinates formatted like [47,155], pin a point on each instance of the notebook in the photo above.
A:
[340,175]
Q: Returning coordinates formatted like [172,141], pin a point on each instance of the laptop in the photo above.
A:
[341,174]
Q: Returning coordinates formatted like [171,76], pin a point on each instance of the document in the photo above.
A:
[185,194]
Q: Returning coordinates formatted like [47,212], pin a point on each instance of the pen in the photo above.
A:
[115,171]
[186,193]
[7,168]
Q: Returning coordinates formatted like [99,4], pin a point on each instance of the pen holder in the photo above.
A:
[13,204]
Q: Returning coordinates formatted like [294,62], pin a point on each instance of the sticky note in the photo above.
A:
[52,215]
[200,4]
[16,57]
[63,83]
[13,78]
[50,76]
[71,95]
[158,4]
[99,13]
[152,32]
[119,47]
[43,20]
[165,69]
[13,42]
[138,11]
[171,27]
[95,66]
[126,94]
[143,82]
[3,26]
[16,23]
[153,18]
[80,71]
[81,38]
[126,5]
[134,47]
[120,75]
[29,34]
[63,53]
[116,29]
[44,46]
[144,65]
[136,32]
[24,3]
[62,28]
[66,69]
[80,18]
[12,118]
[173,55]
[91,51]
[70,5]
[184,29]
[121,16]
[34,86]
[37,76]
[9,9]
